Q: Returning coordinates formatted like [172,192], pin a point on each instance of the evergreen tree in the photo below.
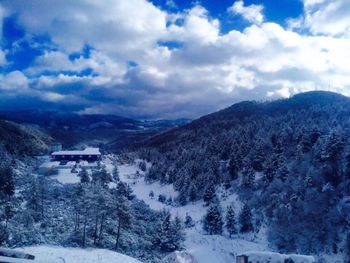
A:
[188,221]
[245,220]
[248,178]
[212,221]
[170,234]
[182,198]
[115,173]
[209,194]
[84,176]
[232,169]
[192,193]
[123,217]
[231,221]
[7,185]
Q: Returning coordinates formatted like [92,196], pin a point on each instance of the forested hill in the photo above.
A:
[288,160]
[19,140]
[246,111]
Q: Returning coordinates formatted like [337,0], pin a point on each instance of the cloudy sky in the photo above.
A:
[168,58]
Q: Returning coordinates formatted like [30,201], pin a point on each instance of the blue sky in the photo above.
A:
[168,58]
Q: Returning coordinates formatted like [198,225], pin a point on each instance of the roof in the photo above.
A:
[87,151]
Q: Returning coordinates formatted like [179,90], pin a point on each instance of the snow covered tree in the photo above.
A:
[115,173]
[7,185]
[188,221]
[192,193]
[143,166]
[245,220]
[84,176]
[4,234]
[122,214]
[231,224]
[151,194]
[248,178]
[212,221]
[182,198]
[170,234]
[209,194]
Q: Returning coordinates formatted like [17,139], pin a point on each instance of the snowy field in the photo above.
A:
[52,254]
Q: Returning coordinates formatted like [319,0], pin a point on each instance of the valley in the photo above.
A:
[254,178]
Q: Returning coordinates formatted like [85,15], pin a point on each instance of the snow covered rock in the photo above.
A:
[179,257]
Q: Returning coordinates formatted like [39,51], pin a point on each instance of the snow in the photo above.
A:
[204,248]
[54,254]
[258,256]
[65,176]
[87,151]
[215,248]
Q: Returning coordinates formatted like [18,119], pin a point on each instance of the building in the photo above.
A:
[272,257]
[89,154]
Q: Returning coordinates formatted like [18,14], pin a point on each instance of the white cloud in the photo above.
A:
[122,28]
[251,13]
[327,17]
[14,81]
[206,71]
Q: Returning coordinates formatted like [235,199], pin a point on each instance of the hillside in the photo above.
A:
[287,160]
[107,131]
[22,140]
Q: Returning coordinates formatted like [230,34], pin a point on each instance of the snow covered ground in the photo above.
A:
[65,176]
[53,254]
[204,248]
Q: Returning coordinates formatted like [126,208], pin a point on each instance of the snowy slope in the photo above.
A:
[52,254]
[204,248]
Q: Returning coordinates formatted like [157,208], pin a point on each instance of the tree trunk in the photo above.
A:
[101,228]
[84,228]
[117,238]
[95,230]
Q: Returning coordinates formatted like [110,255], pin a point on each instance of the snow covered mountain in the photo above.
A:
[287,160]
[70,129]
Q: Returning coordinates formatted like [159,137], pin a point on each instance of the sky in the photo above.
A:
[168,58]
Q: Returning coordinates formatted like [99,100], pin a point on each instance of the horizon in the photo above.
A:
[53,110]
[168,59]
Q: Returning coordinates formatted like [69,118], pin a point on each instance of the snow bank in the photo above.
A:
[52,254]
[215,248]
[271,257]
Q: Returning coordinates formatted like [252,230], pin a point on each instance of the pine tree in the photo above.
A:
[7,185]
[248,178]
[232,169]
[182,198]
[84,176]
[123,217]
[188,221]
[231,221]
[115,173]
[245,220]
[170,235]
[192,193]
[212,221]
[209,194]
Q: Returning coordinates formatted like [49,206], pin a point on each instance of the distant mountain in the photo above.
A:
[107,131]
[21,140]
[287,160]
